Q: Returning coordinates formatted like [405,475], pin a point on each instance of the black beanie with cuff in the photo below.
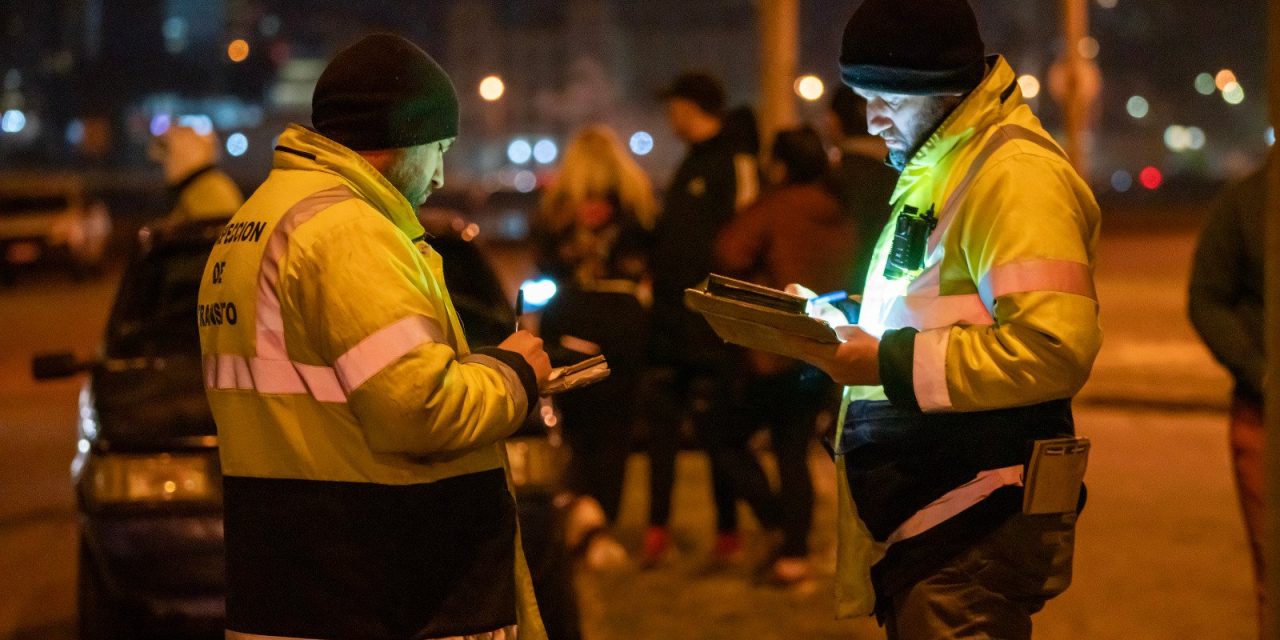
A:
[913,47]
[384,92]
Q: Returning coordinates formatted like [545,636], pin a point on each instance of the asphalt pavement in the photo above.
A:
[1161,551]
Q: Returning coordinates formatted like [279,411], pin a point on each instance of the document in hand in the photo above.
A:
[758,317]
[576,376]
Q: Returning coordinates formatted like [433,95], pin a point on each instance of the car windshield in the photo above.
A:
[155,309]
[11,204]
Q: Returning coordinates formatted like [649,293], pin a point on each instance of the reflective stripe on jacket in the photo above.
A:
[335,365]
[1004,313]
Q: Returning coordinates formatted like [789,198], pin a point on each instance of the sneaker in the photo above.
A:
[789,571]
[657,545]
[728,548]
[604,553]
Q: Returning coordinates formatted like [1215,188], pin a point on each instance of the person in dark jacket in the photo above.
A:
[795,232]
[712,183]
[1225,303]
[592,233]
[864,181]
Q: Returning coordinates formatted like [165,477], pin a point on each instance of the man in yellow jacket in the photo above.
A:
[364,476]
[979,322]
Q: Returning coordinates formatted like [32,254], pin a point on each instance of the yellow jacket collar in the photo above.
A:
[988,104]
[300,148]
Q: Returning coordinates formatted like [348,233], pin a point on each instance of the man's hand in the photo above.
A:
[530,347]
[856,361]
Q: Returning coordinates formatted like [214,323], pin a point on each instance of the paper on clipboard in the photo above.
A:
[576,376]
[746,323]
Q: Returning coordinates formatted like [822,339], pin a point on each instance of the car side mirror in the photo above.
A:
[52,366]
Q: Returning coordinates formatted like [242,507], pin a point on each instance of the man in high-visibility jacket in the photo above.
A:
[978,324]
[361,440]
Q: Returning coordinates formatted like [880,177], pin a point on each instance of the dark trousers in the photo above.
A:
[704,394]
[598,429]
[787,404]
[598,419]
[727,410]
[1247,441]
[991,589]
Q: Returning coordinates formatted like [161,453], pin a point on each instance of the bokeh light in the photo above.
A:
[159,124]
[13,121]
[1196,138]
[1138,107]
[1088,47]
[641,143]
[810,87]
[1233,93]
[519,151]
[525,181]
[1030,86]
[1205,84]
[238,50]
[1176,138]
[1151,178]
[492,88]
[1107,4]
[237,144]
[1121,181]
[545,151]
[1224,78]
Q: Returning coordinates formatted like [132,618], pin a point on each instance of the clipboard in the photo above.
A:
[1054,475]
[758,317]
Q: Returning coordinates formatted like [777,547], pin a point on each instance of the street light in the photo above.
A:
[492,88]
[238,50]
[810,87]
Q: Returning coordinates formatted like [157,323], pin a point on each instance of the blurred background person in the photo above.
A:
[688,360]
[197,187]
[592,232]
[795,232]
[864,182]
[1226,306]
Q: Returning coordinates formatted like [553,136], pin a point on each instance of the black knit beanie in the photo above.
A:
[913,47]
[384,92]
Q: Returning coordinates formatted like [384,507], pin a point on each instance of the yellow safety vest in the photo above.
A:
[1004,306]
[332,351]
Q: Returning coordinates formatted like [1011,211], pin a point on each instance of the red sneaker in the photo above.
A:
[657,544]
[728,548]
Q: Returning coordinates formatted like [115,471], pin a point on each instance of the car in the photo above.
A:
[147,474]
[47,218]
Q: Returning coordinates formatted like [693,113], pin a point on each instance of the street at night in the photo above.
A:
[612,320]
[1161,551]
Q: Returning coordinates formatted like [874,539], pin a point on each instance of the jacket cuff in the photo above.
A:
[897,353]
[516,362]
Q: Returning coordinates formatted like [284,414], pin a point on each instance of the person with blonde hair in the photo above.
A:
[198,188]
[592,235]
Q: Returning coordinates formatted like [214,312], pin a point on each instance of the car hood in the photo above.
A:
[151,403]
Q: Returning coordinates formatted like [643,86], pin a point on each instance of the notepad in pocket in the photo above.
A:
[1054,475]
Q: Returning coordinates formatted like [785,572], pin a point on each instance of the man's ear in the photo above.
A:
[380,159]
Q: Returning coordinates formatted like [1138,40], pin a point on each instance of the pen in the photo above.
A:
[519,306]
[834,296]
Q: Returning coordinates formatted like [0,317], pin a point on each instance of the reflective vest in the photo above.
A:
[366,489]
[1003,313]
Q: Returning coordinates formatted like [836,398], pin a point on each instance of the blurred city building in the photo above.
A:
[1180,96]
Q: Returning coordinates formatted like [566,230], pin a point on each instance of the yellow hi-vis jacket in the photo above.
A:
[346,398]
[1002,315]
